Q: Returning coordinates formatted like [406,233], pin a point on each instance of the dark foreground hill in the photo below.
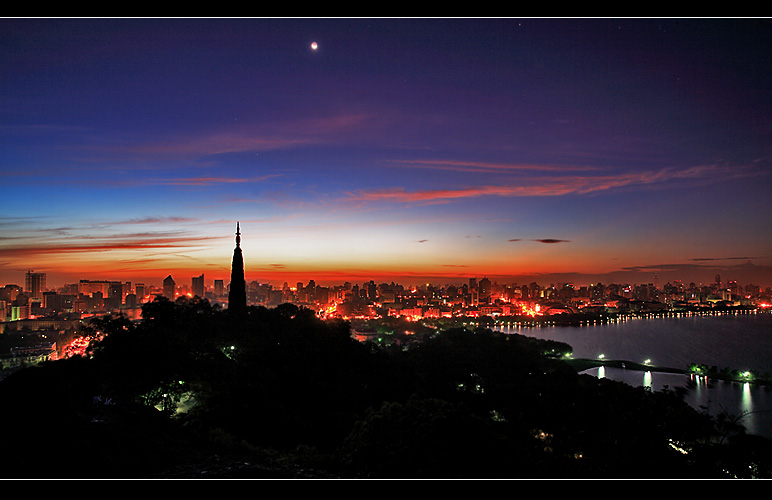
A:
[191,392]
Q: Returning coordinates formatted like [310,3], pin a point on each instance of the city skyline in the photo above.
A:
[548,150]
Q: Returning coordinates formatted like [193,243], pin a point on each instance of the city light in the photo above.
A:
[553,186]
[532,310]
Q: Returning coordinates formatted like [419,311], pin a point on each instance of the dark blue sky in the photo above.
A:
[598,149]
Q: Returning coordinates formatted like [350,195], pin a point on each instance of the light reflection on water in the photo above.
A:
[741,341]
[734,398]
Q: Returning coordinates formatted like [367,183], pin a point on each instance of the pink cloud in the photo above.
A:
[469,166]
[208,181]
[291,133]
[131,244]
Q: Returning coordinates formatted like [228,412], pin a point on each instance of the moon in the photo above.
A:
[314,46]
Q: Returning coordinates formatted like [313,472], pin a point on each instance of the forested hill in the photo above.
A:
[192,391]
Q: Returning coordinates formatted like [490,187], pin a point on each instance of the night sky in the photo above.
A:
[408,150]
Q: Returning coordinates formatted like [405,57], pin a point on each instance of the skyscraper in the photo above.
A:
[35,284]
[198,286]
[484,289]
[169,287]
[237,296]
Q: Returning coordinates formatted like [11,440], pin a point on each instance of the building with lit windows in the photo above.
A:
[35,285]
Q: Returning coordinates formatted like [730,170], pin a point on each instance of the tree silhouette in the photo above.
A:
[457,403]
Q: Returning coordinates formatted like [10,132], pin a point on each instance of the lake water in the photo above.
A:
[735,341]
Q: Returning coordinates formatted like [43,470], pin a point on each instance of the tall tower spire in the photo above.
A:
[237,296]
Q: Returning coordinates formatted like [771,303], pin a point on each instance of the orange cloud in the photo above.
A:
[542,187]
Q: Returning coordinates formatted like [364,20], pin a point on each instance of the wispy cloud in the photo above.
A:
[209,181]
[197,145]
[132,243]
[543,240]
[245,138]
[156,220]
[102,236]
[707,259]
[538,187]
[471,166]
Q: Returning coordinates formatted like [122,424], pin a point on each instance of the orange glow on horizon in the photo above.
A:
[72,272]
[265,263]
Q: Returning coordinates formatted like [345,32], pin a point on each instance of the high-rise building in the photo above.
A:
[198,286]
[169,287]
[88,287]
[139,291]
[237,296]
[35,284]
[115,294]
[484,288]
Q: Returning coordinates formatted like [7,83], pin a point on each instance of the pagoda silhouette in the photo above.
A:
[237,295]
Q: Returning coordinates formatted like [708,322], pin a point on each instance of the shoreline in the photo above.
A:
[582,364]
